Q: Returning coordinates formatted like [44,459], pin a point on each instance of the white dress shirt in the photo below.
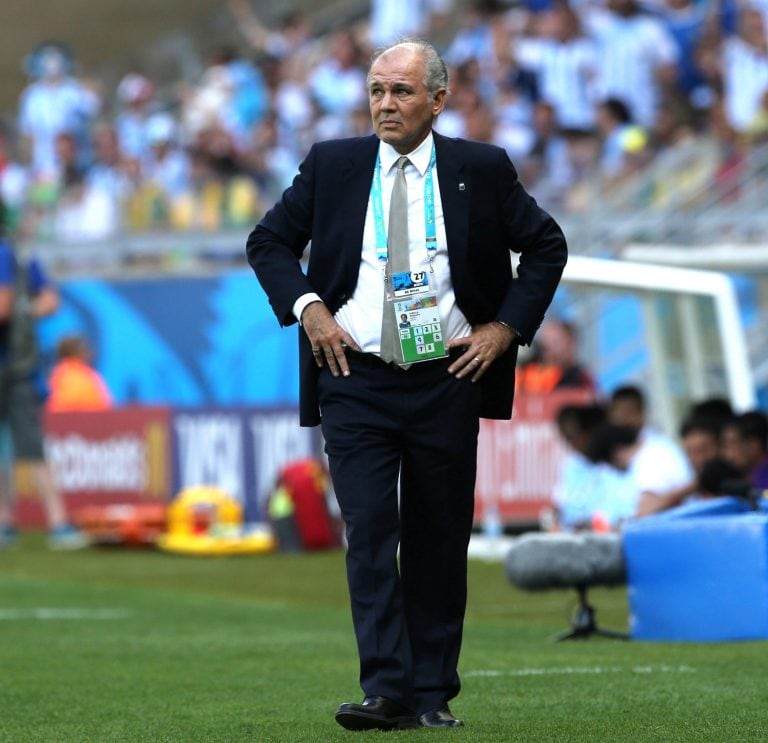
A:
[361,316]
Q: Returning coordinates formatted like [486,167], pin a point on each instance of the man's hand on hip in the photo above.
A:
[483,346]
[328,339]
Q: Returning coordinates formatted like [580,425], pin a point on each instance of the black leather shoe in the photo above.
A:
[375,713]
[439,718]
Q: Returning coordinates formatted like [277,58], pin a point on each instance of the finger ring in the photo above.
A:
[315,350]
[477,360]
[344,345]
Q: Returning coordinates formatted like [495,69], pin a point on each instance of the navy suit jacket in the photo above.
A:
[487,213]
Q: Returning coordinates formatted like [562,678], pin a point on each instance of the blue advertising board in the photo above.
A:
[241,450]
[181,341]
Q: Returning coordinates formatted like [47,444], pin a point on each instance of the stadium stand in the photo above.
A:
[684,160]
[633,122]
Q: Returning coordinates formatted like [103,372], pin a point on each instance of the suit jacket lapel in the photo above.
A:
[454,193]
[356,176]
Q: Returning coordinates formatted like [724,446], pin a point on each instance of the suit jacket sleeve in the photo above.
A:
[534,234]
[276,245]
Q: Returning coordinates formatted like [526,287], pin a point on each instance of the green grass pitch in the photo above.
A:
[106,645]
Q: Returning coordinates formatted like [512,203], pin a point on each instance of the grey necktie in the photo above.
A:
[398,260]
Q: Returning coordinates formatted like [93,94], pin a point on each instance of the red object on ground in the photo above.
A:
[122,524]
[306,481]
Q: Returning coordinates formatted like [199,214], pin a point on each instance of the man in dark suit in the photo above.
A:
[385,420]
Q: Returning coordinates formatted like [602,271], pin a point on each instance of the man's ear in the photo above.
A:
[438,102]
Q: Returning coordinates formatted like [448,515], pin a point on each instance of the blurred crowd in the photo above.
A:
[579,93]
[617,466]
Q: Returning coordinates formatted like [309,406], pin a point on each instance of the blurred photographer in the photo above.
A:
[26,294]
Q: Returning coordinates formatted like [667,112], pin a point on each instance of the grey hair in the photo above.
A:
[435,71]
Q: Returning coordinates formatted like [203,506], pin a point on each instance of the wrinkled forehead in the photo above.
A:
[399,64]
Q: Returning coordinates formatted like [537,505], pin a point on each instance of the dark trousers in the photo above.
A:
[420,424]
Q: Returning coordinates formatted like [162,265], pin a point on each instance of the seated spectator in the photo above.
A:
[744,62]
[474,40]
[701,442]
[744,444]
[700,437]
[292,109]
[548,165]
[554,365]
[713,411]
[208,104]
[161,181]
[338,83]
[514,112]
[623,143]
[686,22]
[168,164]
[108,172]
[81,204]
[655,470]
[565,64]
[464,99]
[230,97]
[54,102]
[636,56]
[585,490]
[627,407]
[218,197]
[136,94]
[674,478]
[718,478]
[74,384]
[86,212]
[250,98]
[270,163]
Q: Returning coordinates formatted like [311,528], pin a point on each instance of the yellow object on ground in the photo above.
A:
[205,520]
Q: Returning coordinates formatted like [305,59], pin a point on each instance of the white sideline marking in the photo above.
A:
[491,549]
[577,670]
[58,613]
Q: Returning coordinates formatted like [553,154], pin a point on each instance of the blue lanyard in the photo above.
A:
[430,237]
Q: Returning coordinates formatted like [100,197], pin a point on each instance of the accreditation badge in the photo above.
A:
[416,317]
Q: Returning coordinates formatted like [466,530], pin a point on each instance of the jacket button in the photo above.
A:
[342,297]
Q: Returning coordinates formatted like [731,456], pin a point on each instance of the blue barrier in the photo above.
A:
[699,573]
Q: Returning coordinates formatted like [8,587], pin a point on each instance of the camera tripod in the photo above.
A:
[584,624]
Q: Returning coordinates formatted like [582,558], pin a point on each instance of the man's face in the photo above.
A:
[700,447]
[625,412]
[402,110]
[555,344]
[731,448]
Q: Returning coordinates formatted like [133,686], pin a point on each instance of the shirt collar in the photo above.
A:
[419,157]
